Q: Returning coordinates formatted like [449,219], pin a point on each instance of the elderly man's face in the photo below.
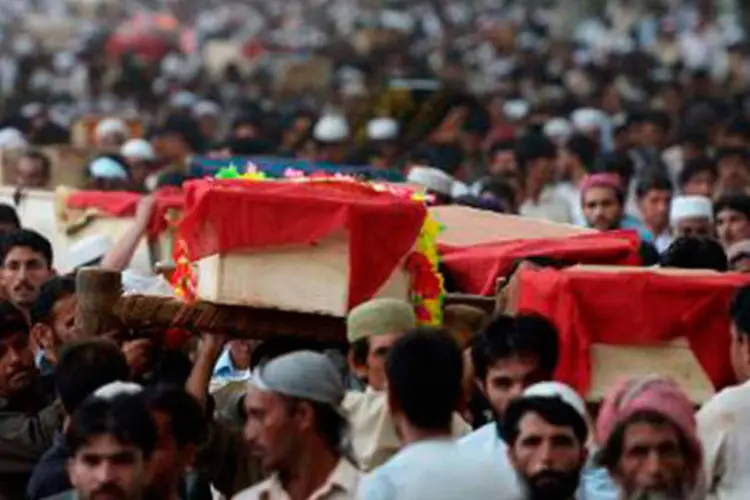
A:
[602,209]
[652,462]
[548,457]
[694,226]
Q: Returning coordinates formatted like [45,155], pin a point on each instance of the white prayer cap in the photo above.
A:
[331,128]
[138,149]
[558,390]
[88,250]
[11,138]
[31,110]
[206,108]
[114,389]
[111,126]
[382,129]
[431,178]
[558,128]
[690,207]
[587,119]
[517,109]
[183,99]
[107,168]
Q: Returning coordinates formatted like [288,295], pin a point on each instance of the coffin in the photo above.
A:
[298,246]
[619,322]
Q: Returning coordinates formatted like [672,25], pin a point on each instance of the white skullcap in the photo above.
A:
[88,250]
[690,207]
[517,109]
[111,126]
[206,108]
[107,168]
[558,128]
[331,128]
[382,129]
[114,389]
[138,149]
[11,138]
[183,99]
[432,178]
[587,119]
[558,390]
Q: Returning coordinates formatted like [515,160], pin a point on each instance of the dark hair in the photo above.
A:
[8,215]
[12,320]
[424,370]
[552,409]
[506,337]
[533,147]
[695,167]
[737,202]
[583,148]
[41,158]
[84,367]
[480,203]
[29,239]
[691,252]
[741,153]
[738,127]
[187,420]
[740,310]
[610,452]
[615,163]
[125,417]
[654,182]
[507,145]
[696,137]
[52,291]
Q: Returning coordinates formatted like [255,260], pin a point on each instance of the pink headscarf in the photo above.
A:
[653,394]
[611,181]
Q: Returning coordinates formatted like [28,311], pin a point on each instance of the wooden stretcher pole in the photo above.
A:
[98,291]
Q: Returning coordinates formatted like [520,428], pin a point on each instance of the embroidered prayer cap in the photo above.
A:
[380,317]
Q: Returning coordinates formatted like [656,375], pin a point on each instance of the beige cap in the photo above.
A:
[379,317]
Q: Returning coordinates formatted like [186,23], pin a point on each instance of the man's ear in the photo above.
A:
[44,337]
[305,415]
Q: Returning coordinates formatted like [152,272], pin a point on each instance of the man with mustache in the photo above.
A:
[28,416]
[547,431]
[647,430]
[111,440]
[26,260]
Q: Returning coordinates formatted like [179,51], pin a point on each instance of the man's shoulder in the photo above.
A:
[728,401]
[254,492]
[66,495]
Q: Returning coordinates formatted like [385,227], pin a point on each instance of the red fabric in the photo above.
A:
[222,216]
[476,269]
[124,204]
[632,308]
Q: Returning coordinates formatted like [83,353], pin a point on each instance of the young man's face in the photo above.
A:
[654,207]
[548,457]
[507,378]
[23,274]
[732,226]
[701,184]
[107,468]
[169,460]
[379,346]
[60,329]
[17,370]
[652,461]
[602,208]
[740,354]
[734,172]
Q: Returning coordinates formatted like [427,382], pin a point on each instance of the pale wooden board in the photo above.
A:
[464,226]
[296,278]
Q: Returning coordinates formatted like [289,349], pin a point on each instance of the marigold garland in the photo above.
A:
[427,288]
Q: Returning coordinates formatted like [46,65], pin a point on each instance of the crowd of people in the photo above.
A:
[639,123]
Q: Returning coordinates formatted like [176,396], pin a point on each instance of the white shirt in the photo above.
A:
[572,194]
[438,469]
[724,430]
[551,206]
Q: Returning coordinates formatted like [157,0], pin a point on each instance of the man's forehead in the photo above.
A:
[532,423]
[23,254]
[106,445]
[518,364]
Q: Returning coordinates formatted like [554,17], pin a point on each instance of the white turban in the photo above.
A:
[690,207]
